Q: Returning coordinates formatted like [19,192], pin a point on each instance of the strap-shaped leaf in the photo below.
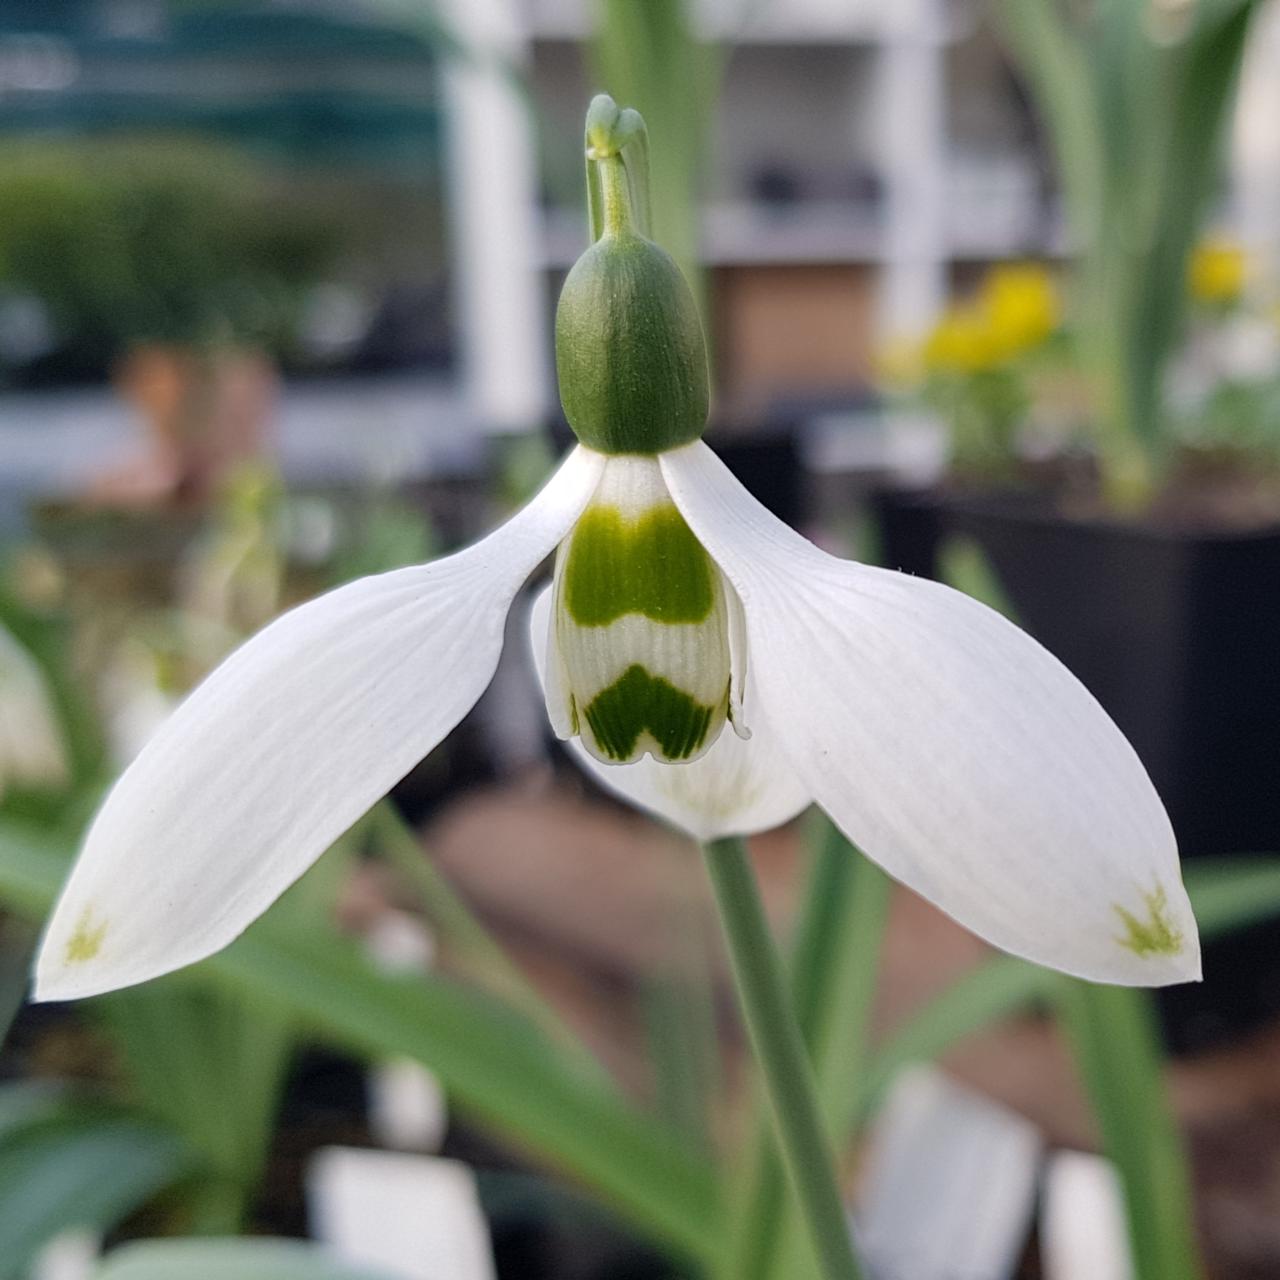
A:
[228,1260]
[494,1063]
[66,1164]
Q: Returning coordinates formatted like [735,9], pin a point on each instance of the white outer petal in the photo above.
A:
[738,787]
[947,743]
[284,746]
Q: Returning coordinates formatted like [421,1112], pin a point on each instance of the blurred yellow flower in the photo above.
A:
[1013,312]
[1021,305]
[1216,272]
[961,342]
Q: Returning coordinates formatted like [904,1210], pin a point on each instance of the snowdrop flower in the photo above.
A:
[706,662]
[31,750]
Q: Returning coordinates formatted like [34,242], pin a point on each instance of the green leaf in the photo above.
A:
[1137,117]
[1203,72]
[1230,893]
[493,1063]
[210,1065]
[65,1164]
[228,1260]
[996,989]
[486,960]
[206,1063]
[1116,1042]
[210,1062]
[33,864]
[1226,894]
[964,565]
[1056,62]
[26,1104]
[680,1028]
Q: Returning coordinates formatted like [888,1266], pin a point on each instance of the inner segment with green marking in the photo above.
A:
[637,702]
[641,625]
[652,565]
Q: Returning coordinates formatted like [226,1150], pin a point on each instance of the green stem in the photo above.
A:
[834,964]
[616,194]
[843,966]
[780,1052]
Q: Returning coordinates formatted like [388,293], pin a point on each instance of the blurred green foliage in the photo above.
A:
[68,1161]
[647,57]
[228,1260]
[169,241]
[1135,98]
[184,1101]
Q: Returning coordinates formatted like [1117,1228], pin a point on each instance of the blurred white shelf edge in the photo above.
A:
[950,1186]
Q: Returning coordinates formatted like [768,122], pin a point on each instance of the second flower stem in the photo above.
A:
[780,1053]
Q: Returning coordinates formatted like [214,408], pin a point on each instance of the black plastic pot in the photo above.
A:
[1177,634]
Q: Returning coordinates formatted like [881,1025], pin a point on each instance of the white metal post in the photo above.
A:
[911,127]
[492,191]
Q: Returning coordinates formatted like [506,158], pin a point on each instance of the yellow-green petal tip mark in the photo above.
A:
[1156,935]
[85,943]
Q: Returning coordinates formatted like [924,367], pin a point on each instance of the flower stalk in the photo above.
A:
[784,1065]
[615,195]
[834,965]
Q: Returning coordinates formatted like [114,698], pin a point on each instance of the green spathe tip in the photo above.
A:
[630,353]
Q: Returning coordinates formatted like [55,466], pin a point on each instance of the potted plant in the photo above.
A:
[1147,560]
[175,267]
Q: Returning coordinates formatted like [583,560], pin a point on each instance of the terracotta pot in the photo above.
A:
[203,410]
